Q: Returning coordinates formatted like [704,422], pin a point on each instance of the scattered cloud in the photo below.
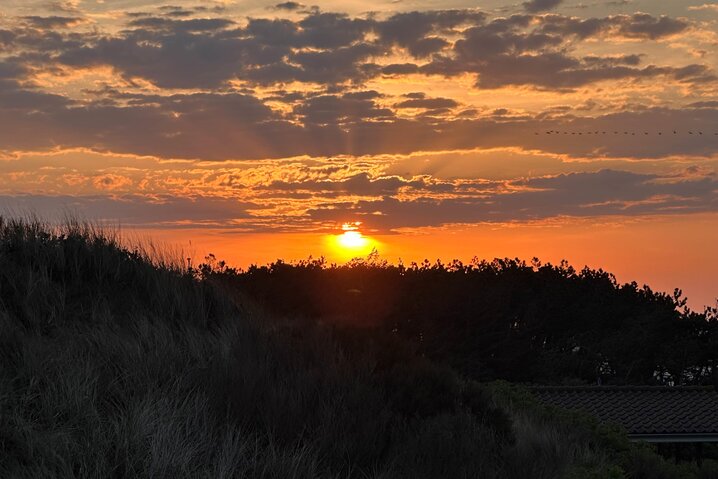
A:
[52,22]
[349,93]
[291,6]
[178,51]
[133,210]
[541,5]
[705,6]
[428,103]
[603,193]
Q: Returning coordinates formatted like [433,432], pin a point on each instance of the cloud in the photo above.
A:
[554,70]
[175,11]
[705,6]
[111,182]
[52,22]
[330,49]
[176,60]
[223,89]
[362,184]
[428,103]
[341,189]
[291,6]
[11,71]
[167,126]
[206,53]
[704,104]
[331,30]
[635,26]
[419,32]
[507,52]
[221,126]
[69,6]
[603,193]
[182,26]
[541,5]
[400,69]
[133,210]
[643,25]
[14,99]
[335,110]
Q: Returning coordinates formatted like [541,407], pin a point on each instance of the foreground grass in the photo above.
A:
[115,364]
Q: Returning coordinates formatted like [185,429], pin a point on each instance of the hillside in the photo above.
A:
[116,364]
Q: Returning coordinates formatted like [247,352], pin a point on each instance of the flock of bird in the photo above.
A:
[615,132]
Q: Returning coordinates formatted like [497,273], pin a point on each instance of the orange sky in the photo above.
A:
[454,128]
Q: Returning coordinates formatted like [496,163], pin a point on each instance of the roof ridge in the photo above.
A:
[620,388]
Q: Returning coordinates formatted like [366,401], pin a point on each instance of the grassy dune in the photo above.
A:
[114,363]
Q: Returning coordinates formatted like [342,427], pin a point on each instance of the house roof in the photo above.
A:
[654,414]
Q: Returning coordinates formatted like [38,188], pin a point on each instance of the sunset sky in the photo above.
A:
[576,129]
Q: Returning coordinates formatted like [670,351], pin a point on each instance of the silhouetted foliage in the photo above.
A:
[507,319]
[114,363]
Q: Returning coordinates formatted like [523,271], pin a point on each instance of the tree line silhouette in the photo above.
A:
[502,319]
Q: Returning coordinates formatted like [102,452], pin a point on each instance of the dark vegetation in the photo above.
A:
[114,363]
[503,319]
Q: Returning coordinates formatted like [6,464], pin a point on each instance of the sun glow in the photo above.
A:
[352,239]
[351,243]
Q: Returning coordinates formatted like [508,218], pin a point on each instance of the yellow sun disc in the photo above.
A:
[352,240]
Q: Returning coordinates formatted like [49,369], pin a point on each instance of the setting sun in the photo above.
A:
[352,239]
[351,242]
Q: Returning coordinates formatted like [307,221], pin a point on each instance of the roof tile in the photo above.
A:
[642,410]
